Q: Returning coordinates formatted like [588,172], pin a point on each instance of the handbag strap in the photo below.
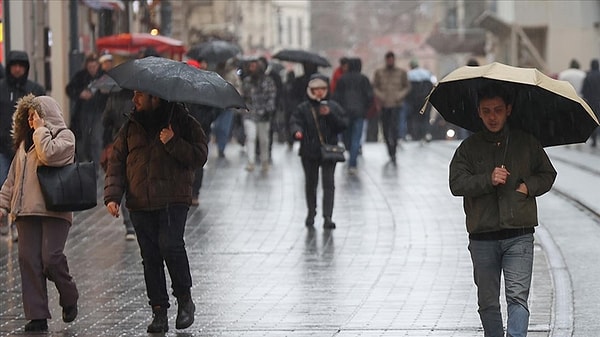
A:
[314,114]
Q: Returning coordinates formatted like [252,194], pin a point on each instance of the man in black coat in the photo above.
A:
[355,94]
[591,92]
[13,86]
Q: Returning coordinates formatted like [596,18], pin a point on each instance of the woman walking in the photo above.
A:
[40,137]
[311,117]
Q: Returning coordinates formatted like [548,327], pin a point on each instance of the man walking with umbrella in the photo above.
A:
[153,162]
[499,172]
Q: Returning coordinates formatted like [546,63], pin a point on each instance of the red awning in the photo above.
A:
[133,43]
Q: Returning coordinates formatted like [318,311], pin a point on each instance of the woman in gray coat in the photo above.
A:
[40,137]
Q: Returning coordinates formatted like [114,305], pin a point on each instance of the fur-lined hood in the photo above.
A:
[46,107]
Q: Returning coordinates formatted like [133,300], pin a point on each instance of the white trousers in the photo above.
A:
[253,130]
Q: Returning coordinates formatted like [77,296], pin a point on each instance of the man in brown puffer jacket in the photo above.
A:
[153,162]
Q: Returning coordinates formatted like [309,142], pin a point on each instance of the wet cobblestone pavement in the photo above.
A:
[397,265]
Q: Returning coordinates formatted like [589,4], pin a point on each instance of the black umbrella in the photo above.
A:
[176,81]
[105,84]
[549,109]
[302,56]
[215,51]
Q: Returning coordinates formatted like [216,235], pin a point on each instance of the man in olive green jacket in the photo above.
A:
[499,171]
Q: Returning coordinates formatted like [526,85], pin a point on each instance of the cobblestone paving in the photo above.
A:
[397,265]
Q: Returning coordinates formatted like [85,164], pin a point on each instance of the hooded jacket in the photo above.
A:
[11,89]
[354,91]
[491,208]
[21,194]
[330,125]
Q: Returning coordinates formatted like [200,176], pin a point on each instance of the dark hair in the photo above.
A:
[390,54]
[594,64]
[473,62]
[493,90]
[574,64]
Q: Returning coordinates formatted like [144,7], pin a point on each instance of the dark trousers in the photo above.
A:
[160,237]
[311,175]
[41,244]
[389,123]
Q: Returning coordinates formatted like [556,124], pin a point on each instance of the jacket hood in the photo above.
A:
[316,80]
[47,108]
[354,65]
[13,57]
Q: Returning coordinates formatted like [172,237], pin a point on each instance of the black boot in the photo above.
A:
[185,312]
[310,220]
[160,323]
[328,224]
[37,325]
[69,313]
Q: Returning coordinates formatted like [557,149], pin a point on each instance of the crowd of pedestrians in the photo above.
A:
[152,153]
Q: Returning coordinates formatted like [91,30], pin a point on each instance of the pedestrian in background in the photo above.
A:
[311,117]
[391,86]
[40,137]
[591,93]
[421,82]
[499,172]
[337,74]
[115,114]
[223,124]
[355,95]
[573,75]
[86,118]
[260,93]
[13,86]
[153,161]
[205,115]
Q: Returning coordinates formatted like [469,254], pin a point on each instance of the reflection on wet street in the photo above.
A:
[397,264]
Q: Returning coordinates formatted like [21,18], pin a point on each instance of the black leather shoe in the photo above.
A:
[185,313]
[328,224]
[69,313]
[160,323]
[37,325]
[310,220]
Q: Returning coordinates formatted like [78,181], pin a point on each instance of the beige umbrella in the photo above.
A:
[549,109]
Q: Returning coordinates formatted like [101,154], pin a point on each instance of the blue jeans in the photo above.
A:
[403,120]
[352,137]
[222,128]
[514,258]
[160,237]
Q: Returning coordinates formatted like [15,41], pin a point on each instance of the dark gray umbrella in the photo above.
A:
[302,56]
[176,81]
[215,51]
[549,109]
[105,84]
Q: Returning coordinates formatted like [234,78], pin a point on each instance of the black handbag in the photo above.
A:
[329,152]
[332,153]
[68,188]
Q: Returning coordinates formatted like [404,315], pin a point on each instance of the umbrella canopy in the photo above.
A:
[549,109]
[105,84]
[301,56]
[215,51]
[133,43]
[176,81]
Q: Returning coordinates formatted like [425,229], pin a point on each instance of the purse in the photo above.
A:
[329,152]
[68,188]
